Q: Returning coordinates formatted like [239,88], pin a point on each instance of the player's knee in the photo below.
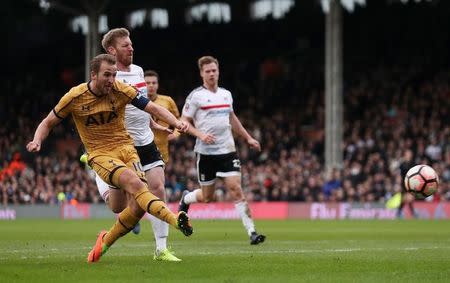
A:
[236,189]
[132,183]
[157,189]
[116,201]
[236,193]
[116,209]
[208,199]
[238,196]
[136,185]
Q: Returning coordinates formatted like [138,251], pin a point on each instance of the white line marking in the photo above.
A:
[149,251]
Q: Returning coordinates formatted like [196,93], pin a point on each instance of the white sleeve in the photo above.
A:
[190,106]
[141,72]
[231,101]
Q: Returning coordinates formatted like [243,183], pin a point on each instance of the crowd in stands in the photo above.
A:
[396,97]
[386,112]
[384,116]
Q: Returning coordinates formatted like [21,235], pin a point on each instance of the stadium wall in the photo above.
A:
[260,210]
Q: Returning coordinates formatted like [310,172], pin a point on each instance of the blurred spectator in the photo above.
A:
[332,184]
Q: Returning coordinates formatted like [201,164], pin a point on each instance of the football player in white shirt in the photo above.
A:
[117,42]
[210,109]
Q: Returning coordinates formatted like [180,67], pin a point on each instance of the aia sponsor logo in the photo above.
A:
[100,118]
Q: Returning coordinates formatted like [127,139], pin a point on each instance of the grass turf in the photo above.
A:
[219,251]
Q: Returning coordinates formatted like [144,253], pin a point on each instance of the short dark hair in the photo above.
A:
[151,73]
[97,61]
[205,60]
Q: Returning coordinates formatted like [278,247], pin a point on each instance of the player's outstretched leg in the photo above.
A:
[156,207]
[183,206]
[98,249]
[184,224]
[256,238]
[124,224]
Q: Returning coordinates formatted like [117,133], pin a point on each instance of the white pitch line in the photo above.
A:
[236,252]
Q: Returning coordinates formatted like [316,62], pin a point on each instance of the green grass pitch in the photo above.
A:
[219,251]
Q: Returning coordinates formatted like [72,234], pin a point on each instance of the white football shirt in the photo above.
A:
[137,121]
[211,114]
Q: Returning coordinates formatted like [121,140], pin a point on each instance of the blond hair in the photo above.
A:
[109,39]
[205,60]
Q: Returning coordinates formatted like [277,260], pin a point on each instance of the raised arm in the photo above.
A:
[237,127]
[42,132]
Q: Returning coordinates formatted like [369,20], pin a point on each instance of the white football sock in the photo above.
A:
[191,197]
[244,211]
[161,231]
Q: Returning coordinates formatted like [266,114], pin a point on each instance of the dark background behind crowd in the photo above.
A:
[396,97]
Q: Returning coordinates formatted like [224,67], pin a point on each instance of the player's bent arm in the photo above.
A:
[174,110]
[163,114]
[148,106]
[158,127]
[237,127]
[42,131]
[206,138]
[193,131]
